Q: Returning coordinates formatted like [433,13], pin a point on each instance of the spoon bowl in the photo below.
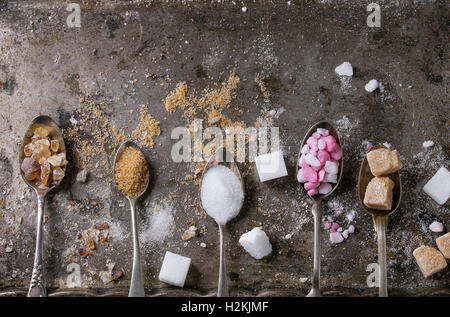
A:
[37,284]
[332,132]
[55,134]
[119,152]
[137,281]
[379,217]
[218,159]
[317,203]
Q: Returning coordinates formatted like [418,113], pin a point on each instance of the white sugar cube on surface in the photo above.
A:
[174,269]
[270,166]
[438,187]
[256,242]
[371,85]
[345,69]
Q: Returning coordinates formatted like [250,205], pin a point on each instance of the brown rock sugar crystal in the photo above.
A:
[131,172]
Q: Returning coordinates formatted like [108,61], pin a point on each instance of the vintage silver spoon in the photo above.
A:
[137,282]
[37,285]
[317,205]
[380,217]
[222,157]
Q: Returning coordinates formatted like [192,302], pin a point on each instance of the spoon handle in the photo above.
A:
[222,290]
[381,226]
[317,212]
[137,283]
[37,285]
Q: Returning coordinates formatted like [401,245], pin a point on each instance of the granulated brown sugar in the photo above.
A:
[131,172]
[211,100]
[210,106]
[147,129]
[177,98]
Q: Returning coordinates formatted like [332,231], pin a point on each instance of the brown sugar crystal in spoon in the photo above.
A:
[317,202]
[131,174]
[380,217]
[42,165]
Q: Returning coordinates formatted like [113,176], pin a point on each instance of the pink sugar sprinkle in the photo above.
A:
[334,226]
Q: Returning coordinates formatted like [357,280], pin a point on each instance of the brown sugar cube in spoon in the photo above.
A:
[378,193]
[384,161]
[443,243]
[430,260]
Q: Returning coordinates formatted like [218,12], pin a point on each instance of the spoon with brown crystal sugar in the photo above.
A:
[131,174]
[380,217]
[42,166]
[317,203]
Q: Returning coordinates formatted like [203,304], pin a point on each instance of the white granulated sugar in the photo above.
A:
[345,69]
[222,194]
[371,85]
[427,144]
[345,125]
[159,225]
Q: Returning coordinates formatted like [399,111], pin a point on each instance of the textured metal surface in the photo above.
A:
[45,67]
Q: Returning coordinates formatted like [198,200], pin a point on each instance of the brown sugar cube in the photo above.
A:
[378,193]
[384,161]
[429,260]
[443,243]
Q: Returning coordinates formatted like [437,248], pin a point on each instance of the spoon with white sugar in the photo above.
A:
[222,195]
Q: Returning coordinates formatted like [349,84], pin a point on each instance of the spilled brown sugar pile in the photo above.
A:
[131,172]
[147,129]
[211,102]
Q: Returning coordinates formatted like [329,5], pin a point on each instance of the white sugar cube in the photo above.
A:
[323,131]
[256,242]
[325,188]
[331,167]
[270,166]
[305,149]
[330,178]
[321,144]
[438,187]
[312,160]
[300,177]
[345,69]
[174,269]
[371,85]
